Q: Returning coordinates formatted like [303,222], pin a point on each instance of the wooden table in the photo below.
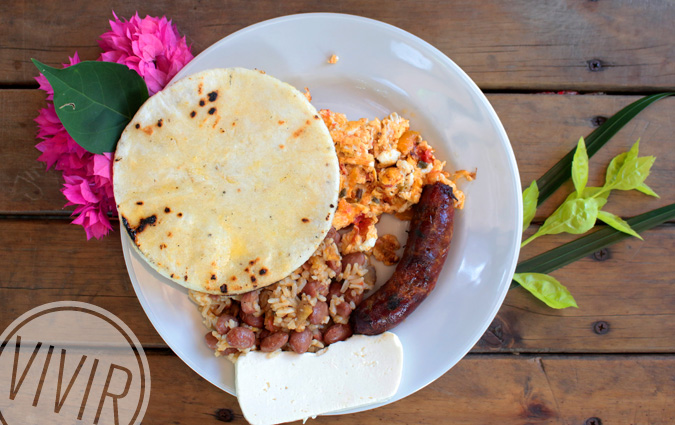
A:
[534,365]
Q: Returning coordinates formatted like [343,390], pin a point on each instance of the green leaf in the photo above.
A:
[629,163]
[580,167]
[600,198]
[547,289]
[617,222]
[647,190]
[560,172]
[590,192]
[633,173]
[614,166]
[95,101]
[530,196]
[574,216]
[587,245]
[634,150]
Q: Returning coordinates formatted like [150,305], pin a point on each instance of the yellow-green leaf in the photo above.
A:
[617,222]
[530,196]
[547,289]
[647,190]
[580,166]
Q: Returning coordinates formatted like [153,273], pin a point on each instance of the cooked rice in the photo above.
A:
[284,302]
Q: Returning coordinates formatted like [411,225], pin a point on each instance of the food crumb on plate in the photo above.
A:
[333,59]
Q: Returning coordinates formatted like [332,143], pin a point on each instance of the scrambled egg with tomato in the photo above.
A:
[383,167]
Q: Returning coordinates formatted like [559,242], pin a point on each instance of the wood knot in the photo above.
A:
[498,335]
[537,410]
[593,421]
[224,415]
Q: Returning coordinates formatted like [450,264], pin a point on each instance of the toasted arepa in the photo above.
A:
[226,181]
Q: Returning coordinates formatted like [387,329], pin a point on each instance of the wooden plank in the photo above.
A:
[45,261]
[480,389]
[542,128]
[26,186]
[522,45]
[633,291]
[629,288]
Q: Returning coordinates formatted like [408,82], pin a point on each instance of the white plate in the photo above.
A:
[381,69]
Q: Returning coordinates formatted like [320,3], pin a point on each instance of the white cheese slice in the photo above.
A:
[287,387]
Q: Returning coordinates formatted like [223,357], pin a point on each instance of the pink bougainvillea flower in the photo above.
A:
[150,46]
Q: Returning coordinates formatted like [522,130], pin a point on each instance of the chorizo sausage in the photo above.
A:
[416,274]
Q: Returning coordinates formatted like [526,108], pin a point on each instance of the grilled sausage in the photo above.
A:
[416,274]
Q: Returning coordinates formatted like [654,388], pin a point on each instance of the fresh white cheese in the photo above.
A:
[287,386]
[389,157]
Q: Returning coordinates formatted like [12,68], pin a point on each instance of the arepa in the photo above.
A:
[226,180]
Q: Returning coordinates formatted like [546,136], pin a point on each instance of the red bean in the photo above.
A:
[319,313]
[343,308]
[353,258]
[335,290]
[241,338]
[223,323]
[249,301]
[335,265]
[230,351]
[273,342]
[337,332]
[300,341]
[211,341]
[333,234]
[349,297]
[314,288]
[316,334]
[251,320]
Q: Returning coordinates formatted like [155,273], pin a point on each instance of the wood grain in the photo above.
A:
[515,45]
[480,389]
[50,260]
[542,128]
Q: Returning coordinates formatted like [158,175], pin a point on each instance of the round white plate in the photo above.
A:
[381,69]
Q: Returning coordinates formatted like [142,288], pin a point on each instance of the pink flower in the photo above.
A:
[150,46]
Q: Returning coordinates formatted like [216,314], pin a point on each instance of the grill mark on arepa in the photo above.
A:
[134,231]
